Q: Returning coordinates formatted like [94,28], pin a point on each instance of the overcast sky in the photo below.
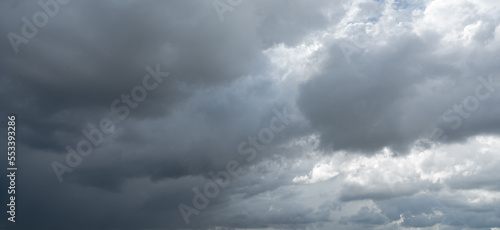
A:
[252,114]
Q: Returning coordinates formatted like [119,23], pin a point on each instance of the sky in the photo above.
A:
[239,114]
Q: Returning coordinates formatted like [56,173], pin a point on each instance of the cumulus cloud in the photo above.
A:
[387,117]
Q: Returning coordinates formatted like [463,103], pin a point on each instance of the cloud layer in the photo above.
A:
[393,122]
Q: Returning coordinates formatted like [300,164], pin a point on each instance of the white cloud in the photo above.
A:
[320,172]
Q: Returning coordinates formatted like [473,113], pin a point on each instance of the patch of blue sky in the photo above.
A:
[407,4]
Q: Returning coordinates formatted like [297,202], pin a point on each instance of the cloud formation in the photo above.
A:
[393,113]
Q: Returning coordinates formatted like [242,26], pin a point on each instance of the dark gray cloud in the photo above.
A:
[333,98]
[379,100]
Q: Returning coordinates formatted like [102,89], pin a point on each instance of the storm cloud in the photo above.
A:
[348,114]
